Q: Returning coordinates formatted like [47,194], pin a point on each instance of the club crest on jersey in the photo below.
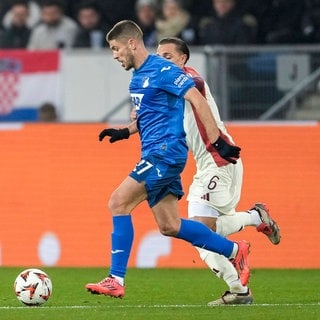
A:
[145,83]
[137,99]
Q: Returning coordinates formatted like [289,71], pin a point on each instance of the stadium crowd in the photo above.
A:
[50,24]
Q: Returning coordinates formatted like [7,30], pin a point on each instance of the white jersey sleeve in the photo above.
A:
[205,155]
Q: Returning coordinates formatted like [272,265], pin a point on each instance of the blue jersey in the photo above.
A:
[157,90]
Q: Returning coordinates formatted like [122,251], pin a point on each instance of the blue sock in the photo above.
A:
[121,238]
[201,236]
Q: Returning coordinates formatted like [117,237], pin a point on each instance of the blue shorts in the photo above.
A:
[160,178]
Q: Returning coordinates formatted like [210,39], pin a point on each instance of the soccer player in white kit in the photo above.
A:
[216,187]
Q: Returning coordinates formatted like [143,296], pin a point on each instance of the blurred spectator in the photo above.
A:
[33,16]
[257,7]
[47,113]
[281,21]
[17,34]
[175,22]
[70,7]
[116,10]
[5,6]
[146,12]
[92,28]
[198,9]
[311,22]
[227,25]
[55,30]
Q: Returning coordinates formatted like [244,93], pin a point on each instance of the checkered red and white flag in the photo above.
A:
[27,80]
[9,80]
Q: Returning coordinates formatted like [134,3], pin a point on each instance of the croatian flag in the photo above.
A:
[27,80]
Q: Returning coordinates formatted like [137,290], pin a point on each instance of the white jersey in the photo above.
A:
[217,182]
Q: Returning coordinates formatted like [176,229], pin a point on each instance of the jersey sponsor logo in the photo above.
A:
[145,83]
[136,99]
[179,82]
[165,68]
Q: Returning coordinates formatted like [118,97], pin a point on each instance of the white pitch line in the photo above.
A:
[165,306]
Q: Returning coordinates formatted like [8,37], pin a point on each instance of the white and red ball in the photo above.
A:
[33,287]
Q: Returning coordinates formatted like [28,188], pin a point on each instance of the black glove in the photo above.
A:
[226,150]
[115,134]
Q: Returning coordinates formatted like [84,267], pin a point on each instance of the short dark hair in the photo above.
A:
[51,3]
[19,3]
[125,29]
[179,43]
[89,4]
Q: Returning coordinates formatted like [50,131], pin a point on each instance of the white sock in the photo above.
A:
[229,224]
[237,287]
[255,217]
[119,279]
[234,250]
[223,269]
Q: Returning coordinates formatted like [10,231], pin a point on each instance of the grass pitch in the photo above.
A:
[167,294]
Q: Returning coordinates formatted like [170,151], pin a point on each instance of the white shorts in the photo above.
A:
[216,188]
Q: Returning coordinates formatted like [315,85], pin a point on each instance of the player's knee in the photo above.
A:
[208,221]
[169,229]
[115,203]
[168,232]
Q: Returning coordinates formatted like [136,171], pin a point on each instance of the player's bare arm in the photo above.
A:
[201,106]
[225,150]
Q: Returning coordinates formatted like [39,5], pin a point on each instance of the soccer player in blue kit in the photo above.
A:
[158,89]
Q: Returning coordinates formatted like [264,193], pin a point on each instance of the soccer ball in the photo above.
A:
[33,287]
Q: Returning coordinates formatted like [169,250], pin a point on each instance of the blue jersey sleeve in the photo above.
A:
[173,80]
